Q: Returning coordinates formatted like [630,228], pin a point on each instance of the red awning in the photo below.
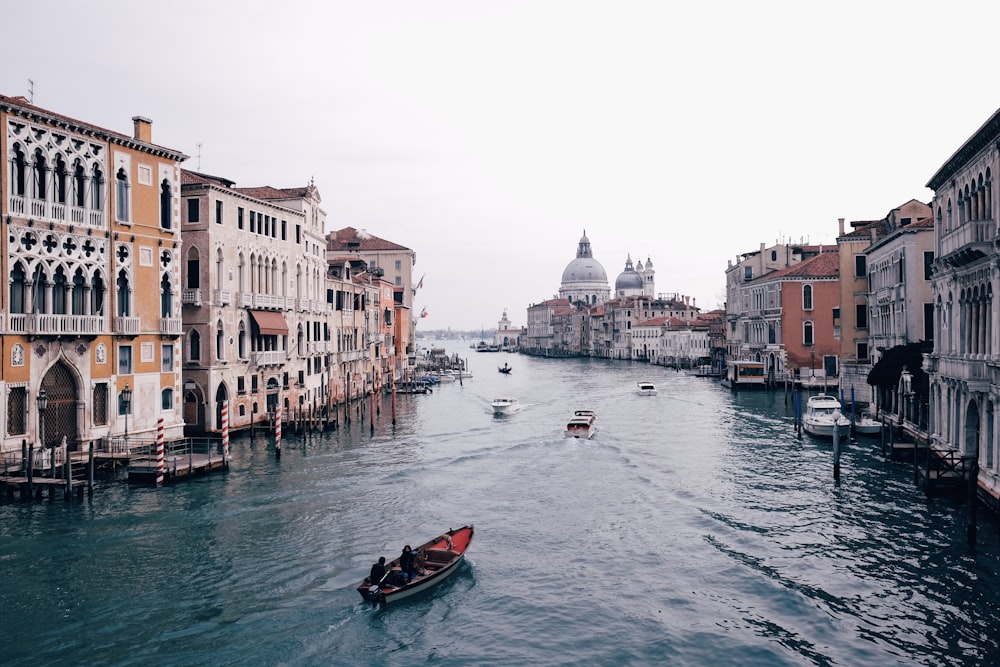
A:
[270,323]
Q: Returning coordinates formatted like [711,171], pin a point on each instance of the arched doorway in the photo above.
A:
[194,414]
[221,396]
[970,444]
[61,416]
[272,395]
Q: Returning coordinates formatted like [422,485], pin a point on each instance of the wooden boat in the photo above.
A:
[437,559]
[582,425]
[505,369]
[646,388]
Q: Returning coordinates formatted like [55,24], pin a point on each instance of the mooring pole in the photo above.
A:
[836,450]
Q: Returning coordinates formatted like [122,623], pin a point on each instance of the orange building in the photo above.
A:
[91,306]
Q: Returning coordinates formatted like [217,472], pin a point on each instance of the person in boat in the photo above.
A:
[378,571]
[408,563]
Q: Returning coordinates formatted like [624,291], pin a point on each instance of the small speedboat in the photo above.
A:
[866,425]
[437,559]
[505,406]
[823,415]
[646,388]
[582,425]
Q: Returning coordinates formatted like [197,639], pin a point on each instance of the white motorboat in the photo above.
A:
[646,388]
[505,406]
[823,413]
[866,425]
[582,425]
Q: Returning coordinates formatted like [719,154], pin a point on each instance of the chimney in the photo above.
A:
[841,221]
[143,129]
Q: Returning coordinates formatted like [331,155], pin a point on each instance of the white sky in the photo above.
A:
[486,135]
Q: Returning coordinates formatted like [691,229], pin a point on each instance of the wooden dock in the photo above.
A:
[183,458]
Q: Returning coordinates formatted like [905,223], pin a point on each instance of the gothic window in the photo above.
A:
[194,346]
[165,205]
[79,292]
[38,296]
[18,290]
[97,294]
[166,297]
[60,180]
[19,171]
[220,343]
[79,185]
[121,195]
[124,309]
[97,189]
[40,171]
[242,339]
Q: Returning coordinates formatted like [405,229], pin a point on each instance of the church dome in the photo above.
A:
[629,279]
[584,268]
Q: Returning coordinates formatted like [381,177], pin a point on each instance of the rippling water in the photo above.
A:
[694,529]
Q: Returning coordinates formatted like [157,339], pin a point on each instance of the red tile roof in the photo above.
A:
[350,239]
[824,265]
[194,178]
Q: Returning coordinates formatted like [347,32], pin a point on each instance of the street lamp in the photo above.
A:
[43,405]
[126,399]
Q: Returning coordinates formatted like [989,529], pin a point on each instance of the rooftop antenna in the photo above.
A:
[199,155]
[31,91]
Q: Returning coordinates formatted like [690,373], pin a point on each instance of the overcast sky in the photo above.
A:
[486,135]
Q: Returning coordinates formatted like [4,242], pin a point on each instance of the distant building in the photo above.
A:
[507,337]
[584,281]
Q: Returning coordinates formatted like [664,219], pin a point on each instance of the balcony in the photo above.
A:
[56,325]
[171,326]
[268,301]
[272,358]
[43,210]
[191,297]
[127,326]
[968,242]
[223,297]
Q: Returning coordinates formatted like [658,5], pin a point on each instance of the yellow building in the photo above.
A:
[92,301]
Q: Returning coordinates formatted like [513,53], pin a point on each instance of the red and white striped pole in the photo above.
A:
[225,432]
[159,452]
[277,431]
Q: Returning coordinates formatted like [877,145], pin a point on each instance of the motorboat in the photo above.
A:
[582,425]
[437,559]
[646,388]
[823,414]
[866,425]
[505,406]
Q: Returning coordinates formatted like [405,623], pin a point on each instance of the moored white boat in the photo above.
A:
[582,425]
[437,559]
[823,414]
[505,406]
[646,388]
[865,425]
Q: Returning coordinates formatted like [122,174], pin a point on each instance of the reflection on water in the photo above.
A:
[693,529]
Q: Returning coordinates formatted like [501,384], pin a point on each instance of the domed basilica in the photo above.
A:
[586,282]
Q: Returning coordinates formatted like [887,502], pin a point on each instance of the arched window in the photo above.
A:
[220,270]
[242,339]
[166,297]
[79,292]
[19,172]
[59,292]
[123,300]
[40,175]
[807,333]
[220,343]
[60,182]
[18,290]
[949,216]
[193,269]
[79,185]
[97,189]
[97,294]
[167,399]
[38,294]
[121,195]
[166,205]
[194,346]
[807,297]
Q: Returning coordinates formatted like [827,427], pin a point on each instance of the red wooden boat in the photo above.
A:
[437,559]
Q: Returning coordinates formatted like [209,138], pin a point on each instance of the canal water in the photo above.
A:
[694,529]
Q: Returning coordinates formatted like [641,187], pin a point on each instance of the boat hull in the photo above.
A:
[442,557]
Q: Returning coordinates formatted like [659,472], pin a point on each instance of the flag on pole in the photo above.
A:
[423,313]
[421,282]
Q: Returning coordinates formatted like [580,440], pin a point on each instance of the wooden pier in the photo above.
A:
[182,458]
